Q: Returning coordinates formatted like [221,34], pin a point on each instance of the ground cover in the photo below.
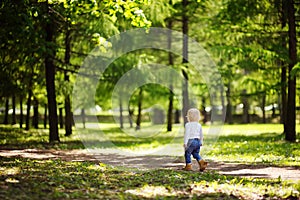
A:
[61,178]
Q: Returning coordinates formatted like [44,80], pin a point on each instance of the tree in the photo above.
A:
[290,128]
[185,92]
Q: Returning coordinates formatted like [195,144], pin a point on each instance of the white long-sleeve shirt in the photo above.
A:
[193,130]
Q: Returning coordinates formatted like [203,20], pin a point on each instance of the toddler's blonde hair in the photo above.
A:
[193,115]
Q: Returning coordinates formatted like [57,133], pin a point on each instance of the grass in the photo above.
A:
[24,178]
[56,179]
[255,143]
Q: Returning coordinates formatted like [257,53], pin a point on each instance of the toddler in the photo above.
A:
[193,139]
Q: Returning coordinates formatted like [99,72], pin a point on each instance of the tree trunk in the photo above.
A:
[50,80]
[21,112]
[5,121]
[170,109]
[68,116]
[61,117]
[229,118]
[45,116]
[13,120]
[263,105]
[35,120]
[171,95]
[28,104]
[68,113]
[290,128]
[283,113]
[121,114]
[139,116]
[203,111]
[130,116]
[246,118]
[177,116]
[185,93]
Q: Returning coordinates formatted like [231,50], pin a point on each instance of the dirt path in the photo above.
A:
[154,162]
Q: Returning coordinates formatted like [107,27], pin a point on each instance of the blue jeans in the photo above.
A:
[193,148]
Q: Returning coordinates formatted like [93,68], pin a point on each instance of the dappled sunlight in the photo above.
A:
[240,167]
[72,155]
[150,140]
[151,191]
[4,171]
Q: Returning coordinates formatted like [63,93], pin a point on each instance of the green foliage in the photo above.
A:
[296,69]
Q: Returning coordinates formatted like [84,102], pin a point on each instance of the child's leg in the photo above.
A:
[187,155]
[196,155]
[196,150]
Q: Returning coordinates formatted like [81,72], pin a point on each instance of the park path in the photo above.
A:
[157,162]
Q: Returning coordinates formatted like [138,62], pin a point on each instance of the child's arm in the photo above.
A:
[201,136]
[185,141]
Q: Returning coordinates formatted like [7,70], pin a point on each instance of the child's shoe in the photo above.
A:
[202,165]
[188,167]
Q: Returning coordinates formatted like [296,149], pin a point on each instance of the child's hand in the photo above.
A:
[185,146]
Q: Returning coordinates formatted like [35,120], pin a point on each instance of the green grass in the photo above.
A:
[12,137]
[24,178]
[55,179]
[255,143]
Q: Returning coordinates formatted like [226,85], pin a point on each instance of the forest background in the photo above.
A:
[253,44]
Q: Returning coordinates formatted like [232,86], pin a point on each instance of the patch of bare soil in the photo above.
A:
[154,162]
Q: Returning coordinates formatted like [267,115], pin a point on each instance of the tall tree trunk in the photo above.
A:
[68,113]
[13,120]
[170,109]
[290,131]
[171,95]
[21,112]
[28,104]
[185,92]
[139,116]
[50,80]
[45,116]
[5,121]
[35,120]
[229,118]
[68,116]
[283,67]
